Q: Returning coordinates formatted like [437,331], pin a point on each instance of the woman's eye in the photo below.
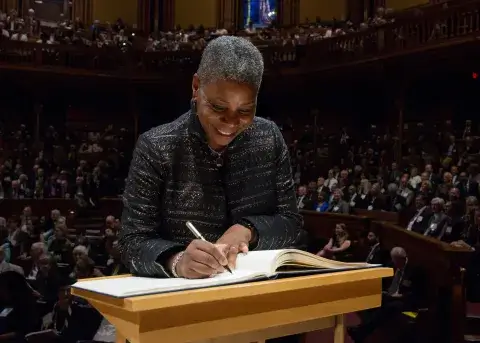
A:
[244,112]
[218,108]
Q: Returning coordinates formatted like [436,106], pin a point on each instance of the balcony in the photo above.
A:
[438,27]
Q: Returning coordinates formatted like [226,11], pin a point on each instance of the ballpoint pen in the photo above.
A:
[198,235]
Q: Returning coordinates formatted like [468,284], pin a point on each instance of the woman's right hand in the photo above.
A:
[201,260]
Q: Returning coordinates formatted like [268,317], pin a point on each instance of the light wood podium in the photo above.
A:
[244,313]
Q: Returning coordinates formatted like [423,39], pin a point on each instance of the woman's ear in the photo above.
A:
[195,87]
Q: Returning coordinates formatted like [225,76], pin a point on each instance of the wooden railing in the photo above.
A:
[441,263]
[437,26]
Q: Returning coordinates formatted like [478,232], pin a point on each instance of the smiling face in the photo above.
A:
[225,109]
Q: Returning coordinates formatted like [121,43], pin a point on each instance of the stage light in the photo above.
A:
[474,75]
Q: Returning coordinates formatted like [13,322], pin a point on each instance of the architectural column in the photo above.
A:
[12,5]
[66,9]
[26,5]
[83,9]
[288,12]
[228,14]
[168,21]
[355,11]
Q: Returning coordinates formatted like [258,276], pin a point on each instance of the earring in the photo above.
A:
[193,105]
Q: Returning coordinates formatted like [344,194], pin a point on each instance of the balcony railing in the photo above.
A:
[455,24]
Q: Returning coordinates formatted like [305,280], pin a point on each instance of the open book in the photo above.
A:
[255,265]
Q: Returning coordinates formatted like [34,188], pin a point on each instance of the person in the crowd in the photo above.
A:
[419,221]
[376,200]
[303,201]
[6,266]
[37,250]
[114,264]
[362,200]
[84,268]
[438,223]
[338,205]
[338,244]
[405,293]
[60,246]
[404,191]
[376,255]
[395,202]
[15,294]
[322,202]
[250,203]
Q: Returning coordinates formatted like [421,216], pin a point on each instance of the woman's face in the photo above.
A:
[224,108]
[339,231]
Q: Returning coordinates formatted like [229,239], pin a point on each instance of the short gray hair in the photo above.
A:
[398,252]
[231,58]
[438,201]
[392,187]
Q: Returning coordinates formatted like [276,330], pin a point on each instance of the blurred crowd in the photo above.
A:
[118,34]
[76,165]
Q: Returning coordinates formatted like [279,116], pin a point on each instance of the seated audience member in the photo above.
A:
[338,205]
[426,189]
[405,293]
[438,223]
[114,263]
[352,196]
[72,319]
[322,188]
[37,250]
[376,200]
[322,202]
[47,280]
[419,222]
[303,200]
[455,212]
[470,236]
[17,295]
[376,255]
[60,247]
[84,268]
[394,201]
[406,193]
[362,200]
[338,244]
[444,188]
[84,242]
[6,266]
[415,179]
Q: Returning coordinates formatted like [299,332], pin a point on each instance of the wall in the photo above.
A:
[111,10]
[325,9]
[402,4]
[196,12]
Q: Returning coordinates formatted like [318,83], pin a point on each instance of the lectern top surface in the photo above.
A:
[321,282]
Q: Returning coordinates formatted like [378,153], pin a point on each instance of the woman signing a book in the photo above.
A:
[218,166]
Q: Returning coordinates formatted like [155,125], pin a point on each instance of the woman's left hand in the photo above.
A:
[235,240]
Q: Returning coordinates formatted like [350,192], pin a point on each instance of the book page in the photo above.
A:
[303,258]
[134,286]
[263,261]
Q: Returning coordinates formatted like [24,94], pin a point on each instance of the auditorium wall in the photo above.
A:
[325,9]
[403,4]
[111,10]
[196,12]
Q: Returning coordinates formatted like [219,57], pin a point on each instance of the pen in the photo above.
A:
[198,235]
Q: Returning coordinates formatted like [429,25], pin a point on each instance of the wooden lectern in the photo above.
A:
[243,313]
